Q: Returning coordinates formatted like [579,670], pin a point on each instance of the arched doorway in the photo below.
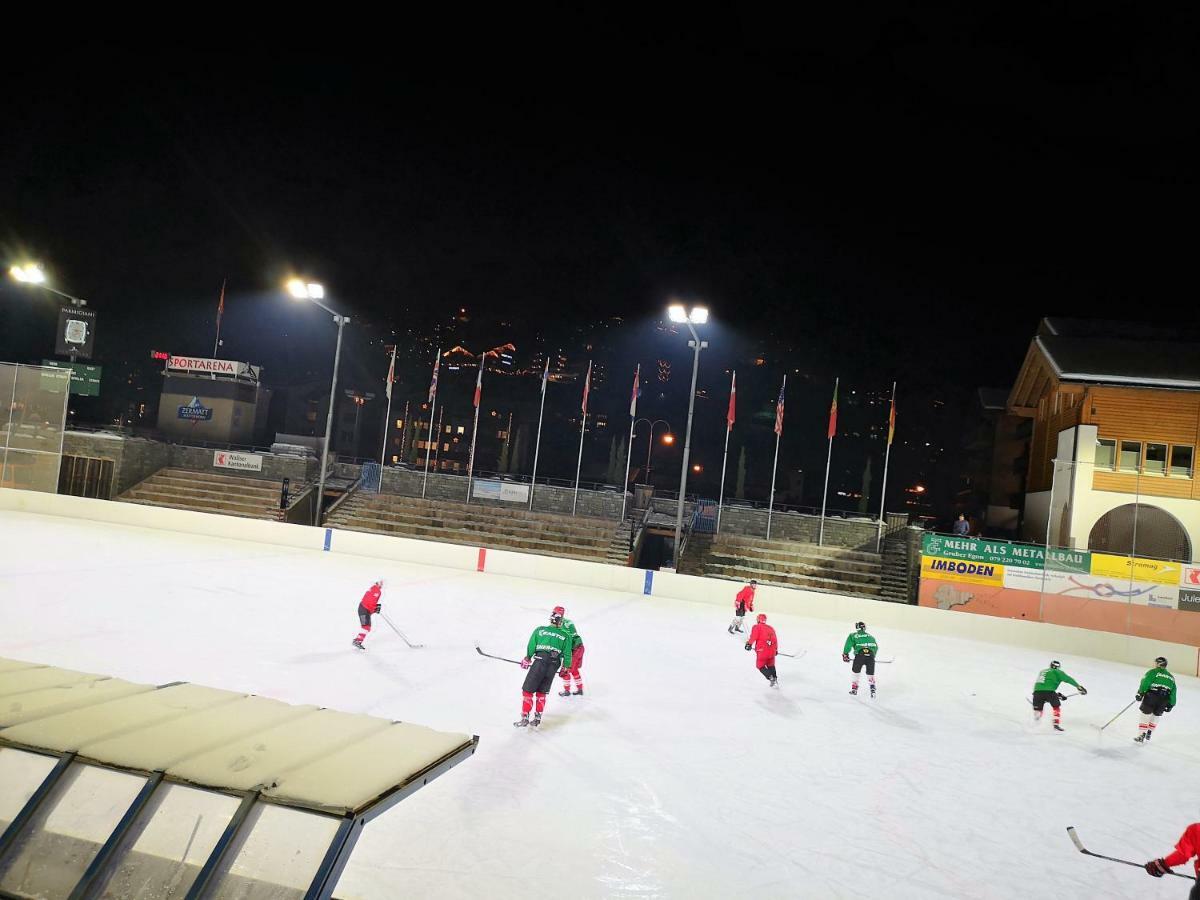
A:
[1156,533]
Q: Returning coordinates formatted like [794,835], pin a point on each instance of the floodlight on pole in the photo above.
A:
[676,313]
[698,315]
[315,293]
[29,273]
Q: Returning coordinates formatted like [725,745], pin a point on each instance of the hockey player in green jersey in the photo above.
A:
[865,650]
[1045,690]
[1157,693]
[548,650]
[567,672]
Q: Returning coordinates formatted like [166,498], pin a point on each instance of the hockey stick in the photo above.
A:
[515,662]
[792,655]
[1117,716]
[1062,698]
[1086,852]
[392,625]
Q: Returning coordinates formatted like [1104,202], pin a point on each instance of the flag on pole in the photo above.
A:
[833,413]
[892,422]
[587,386]
[729,416]
[221,304]
[779,409]
[437,361]
[636,390]
[546,376]
[391,376]
[479,383]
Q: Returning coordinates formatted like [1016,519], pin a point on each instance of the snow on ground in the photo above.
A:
[680,773]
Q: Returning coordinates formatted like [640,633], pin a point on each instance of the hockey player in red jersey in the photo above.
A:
[742,603]
[1187,848]
[765,644]
[367,607]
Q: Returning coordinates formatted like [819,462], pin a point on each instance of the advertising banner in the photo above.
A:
[1004,553]
[205,366]
[507,491]
[195,411]
[1156,571]
[85,379]
[942,569]
[1190,577]
[76,332]
[246,462]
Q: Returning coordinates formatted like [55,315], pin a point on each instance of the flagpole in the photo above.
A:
[429,439]
[887,455]
[220,313]
[725,458]
[537,447]
[629,446]
[582,430]
[825,493]
[775,467]
[404,432]
[475,428]
[387,419]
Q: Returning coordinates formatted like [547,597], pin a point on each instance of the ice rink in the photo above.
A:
[680,773]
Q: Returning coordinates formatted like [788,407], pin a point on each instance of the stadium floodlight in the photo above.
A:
[697,316]
[314,292]
[29,273]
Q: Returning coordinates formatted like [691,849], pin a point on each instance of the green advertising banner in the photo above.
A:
[1005,553]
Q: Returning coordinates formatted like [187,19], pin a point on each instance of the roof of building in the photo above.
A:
[1133,360]
[305,756]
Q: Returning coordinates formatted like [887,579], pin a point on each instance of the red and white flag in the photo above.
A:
[391,374]
[221,306]
[479,382]
[732,414]
[779,408]
[587,386]
[636,390]
[437,361]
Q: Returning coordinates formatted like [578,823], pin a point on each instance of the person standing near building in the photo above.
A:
[1157,693]
[1045,690]
[367,607]
[962,527]
[765,643]
[572,671]
[548,650]
[1187,847]
[743,603]
[865,649]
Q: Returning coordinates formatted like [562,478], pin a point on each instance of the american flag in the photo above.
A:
[779,408]
[437,361]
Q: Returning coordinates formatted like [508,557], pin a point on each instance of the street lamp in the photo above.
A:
[315,293]
[697,315]
[650,446]
[34,274]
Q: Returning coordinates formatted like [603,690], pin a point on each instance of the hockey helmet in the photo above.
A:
[762,617]
[1161,661]
[860,626]
[1055,664]
[753,583]
[379,583]
[556,615]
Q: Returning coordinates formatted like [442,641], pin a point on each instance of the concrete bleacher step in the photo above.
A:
[198,503]
[219,479]
[792,548]
[469,535]
[209,492]
[223,512]
[484,525]
[806,582]
[473,539]
[816,568]
[473,512]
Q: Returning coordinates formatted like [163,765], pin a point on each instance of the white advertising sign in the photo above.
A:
[206,366]
[500,490]
[246,462]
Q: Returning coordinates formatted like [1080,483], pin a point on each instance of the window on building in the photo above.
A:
[1131,456]
[1106,453]
[1181,461]
[462,429]
[1156,459]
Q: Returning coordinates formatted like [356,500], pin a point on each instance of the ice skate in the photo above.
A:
[1142,738]
[523,723]
[359,644]
[578,692]
[566,692]
[854,690]
[872,692]
[537,720]
[1058,727]
[775,683]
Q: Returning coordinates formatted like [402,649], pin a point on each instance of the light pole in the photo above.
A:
[315,293]
[698,315]
[650,446]
[33,274]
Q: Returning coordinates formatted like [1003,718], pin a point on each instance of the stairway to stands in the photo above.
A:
[477,525]
[786,563]
[228,495]
[618,548]
[894,577]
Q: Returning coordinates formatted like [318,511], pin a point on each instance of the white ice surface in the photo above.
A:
[680,773]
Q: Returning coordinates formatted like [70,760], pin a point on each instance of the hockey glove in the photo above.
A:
[747,645]
[1061,697]
[845,657]
[379,607]
[1137,696]
[1168,709]
[1082,691]
[526,663]
[562,673]
[1157,868]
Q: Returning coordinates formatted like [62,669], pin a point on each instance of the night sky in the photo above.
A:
[905,194]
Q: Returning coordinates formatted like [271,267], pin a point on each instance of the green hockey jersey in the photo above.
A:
[1158,679]
[551,639]
[860,642]
[1050,679]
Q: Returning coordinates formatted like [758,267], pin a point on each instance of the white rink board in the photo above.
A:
[679,774]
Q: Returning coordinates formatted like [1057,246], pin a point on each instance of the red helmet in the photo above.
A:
[762,617]
[556,615]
